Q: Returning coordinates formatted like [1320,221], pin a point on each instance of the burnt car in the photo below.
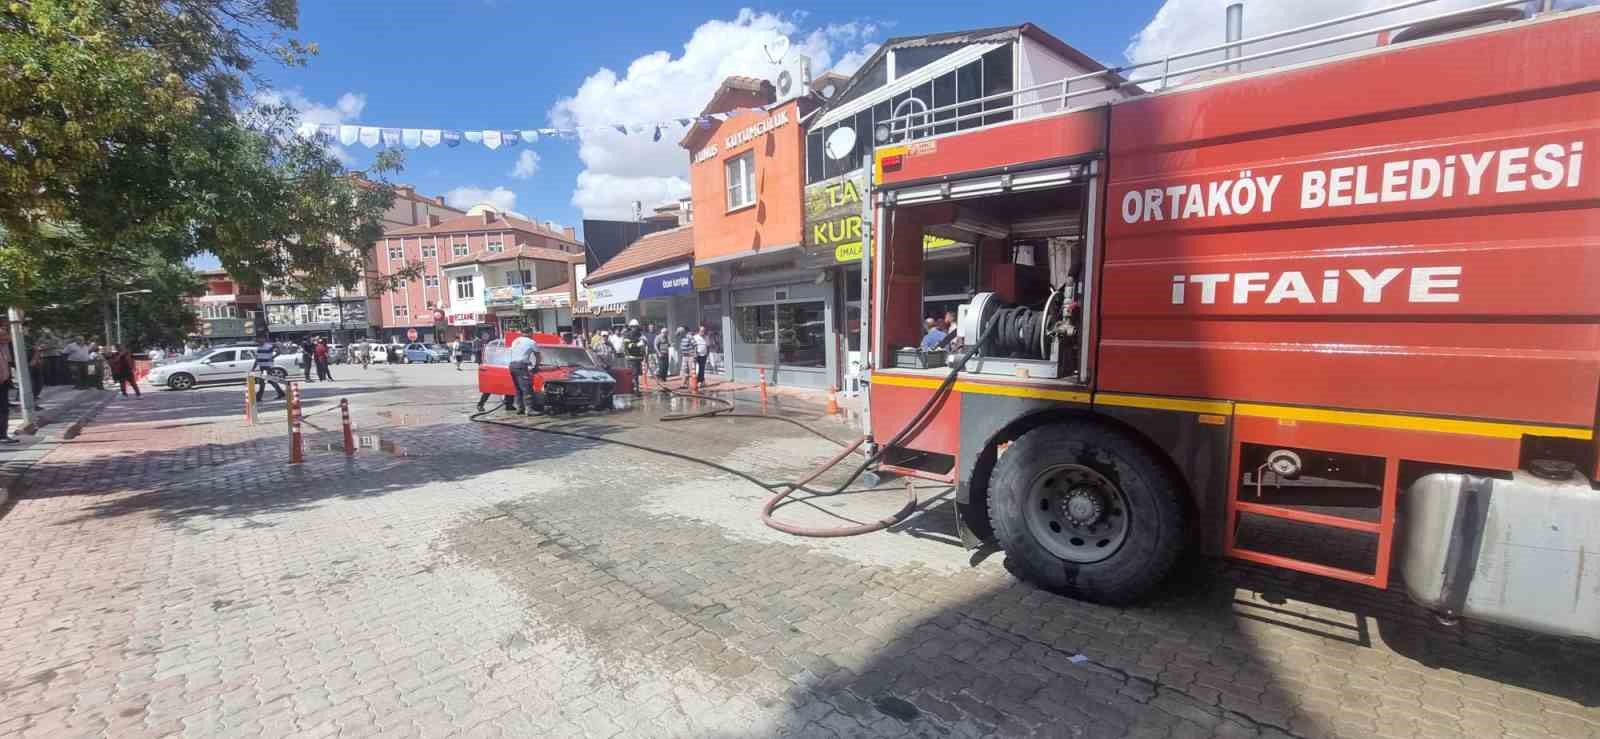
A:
[569,378]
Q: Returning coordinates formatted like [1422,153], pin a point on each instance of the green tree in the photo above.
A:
[126,137]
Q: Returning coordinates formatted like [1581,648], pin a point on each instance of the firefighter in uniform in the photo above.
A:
[633,348]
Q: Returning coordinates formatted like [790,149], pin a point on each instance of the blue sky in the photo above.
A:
[507,64]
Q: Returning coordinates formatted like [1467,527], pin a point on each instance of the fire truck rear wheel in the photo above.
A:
[1086,511]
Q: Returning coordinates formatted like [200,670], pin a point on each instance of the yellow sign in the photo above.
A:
[702,278]
[851,252]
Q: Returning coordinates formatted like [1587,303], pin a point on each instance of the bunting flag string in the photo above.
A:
[493,138]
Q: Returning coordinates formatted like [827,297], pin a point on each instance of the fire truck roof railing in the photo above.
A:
[913,125]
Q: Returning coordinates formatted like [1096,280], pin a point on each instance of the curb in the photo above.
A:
[76,427]
[16,470]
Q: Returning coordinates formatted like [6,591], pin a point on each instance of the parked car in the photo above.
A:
[229,364]
[419,353]
[569,378]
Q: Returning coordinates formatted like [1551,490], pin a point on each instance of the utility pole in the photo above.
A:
[19,353]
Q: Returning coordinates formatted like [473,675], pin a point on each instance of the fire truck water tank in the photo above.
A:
[1523,552]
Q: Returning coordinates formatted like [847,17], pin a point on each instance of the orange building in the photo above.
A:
[759,291]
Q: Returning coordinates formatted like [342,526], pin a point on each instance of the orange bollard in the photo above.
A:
[694,383]
[250,399]
[349,438]
[296,452]
[833,401]
[763,384]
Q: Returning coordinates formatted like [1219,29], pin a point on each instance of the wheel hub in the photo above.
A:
[1077,514]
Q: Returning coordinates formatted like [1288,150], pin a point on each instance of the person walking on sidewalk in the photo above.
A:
[319,353]
[5,387]
[702,350]
[685,354]
[77,352]
[120,362]
[266,351]
[307,357]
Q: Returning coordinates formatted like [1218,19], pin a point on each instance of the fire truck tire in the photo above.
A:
[1086,511]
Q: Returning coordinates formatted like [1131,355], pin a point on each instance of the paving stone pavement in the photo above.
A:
[166,573]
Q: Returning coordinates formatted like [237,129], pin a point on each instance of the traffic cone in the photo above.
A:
[833,400]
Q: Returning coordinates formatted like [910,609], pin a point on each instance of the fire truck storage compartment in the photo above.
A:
[1517,550]
[1027,267]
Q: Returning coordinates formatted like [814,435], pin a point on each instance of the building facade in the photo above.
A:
[474,272]
[229,311]
[650,280]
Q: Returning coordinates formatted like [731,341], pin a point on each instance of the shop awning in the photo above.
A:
[658,283]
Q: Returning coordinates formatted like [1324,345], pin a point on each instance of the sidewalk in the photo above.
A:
[61,407]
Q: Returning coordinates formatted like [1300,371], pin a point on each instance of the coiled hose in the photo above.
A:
[782,490]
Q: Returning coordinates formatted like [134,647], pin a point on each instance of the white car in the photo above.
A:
[228,364]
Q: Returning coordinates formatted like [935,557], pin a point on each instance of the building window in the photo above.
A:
[219,310]
[526,277]
[459,250]
[741,171]
[495,247]
[464,288]
[401,310]
[430,251]
[430,280]
[396,253]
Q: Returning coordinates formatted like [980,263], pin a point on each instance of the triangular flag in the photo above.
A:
[431,136]
[685,122]
[391,137]
[306,130]
[348,135]
[369,136]
[475,137]
[491,139]
[452,138]
[621,129]
[550,131]
[531,136]
[411,137]
[657,137]
[329,130]
[512,138]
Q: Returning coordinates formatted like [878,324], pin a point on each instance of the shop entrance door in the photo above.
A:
[788,337]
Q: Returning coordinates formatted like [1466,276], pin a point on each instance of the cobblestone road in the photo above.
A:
[167,573]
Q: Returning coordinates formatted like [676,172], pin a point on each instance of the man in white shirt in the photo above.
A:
[524,357]
[702,349]
[78,358]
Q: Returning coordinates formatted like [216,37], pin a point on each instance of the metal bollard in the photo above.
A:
[349,438]
[250,399]
[296,452]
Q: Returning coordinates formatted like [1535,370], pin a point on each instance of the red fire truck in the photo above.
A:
[1337,315]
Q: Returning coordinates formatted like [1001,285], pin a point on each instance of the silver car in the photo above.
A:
[228,364]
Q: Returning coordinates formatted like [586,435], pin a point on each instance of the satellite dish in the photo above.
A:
[840,143]
[828,91]
[776,49]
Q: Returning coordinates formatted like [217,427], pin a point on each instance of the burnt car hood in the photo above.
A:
[575,374]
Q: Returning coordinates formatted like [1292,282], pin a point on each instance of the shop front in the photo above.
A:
[664,296]
[550,311]
[340,321]
[777,314]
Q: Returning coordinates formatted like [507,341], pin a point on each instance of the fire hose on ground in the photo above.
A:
[782,490]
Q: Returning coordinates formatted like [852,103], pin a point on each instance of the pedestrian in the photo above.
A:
[633,349]
[685,355]
[616,342]
[266,351]
[36,369]
[5,387]
[524,358]
[702,350]
[120,362]
[308,359]
[363,350]
[455,352]
[96,378]
[319,354]
[78,361]
[663,348]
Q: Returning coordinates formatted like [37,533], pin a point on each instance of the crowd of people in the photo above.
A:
[659,349]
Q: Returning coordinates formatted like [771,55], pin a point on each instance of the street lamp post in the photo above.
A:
[119,311]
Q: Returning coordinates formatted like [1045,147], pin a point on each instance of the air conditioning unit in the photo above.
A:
[794,77]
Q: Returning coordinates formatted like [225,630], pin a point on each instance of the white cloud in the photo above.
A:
[347,109]
[467,196]
[1183,25]
[527,165]
[619,169]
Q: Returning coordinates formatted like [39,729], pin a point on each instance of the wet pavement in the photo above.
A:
[169,573]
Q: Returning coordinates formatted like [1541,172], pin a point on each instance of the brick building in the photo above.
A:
[228,310]
[476,269]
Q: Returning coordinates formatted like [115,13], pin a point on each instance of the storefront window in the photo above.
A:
[802,335]
[947,280]
[756,325]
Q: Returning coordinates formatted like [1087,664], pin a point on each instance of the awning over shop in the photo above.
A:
[658,283]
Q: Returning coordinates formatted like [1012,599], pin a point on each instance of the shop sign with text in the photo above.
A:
[833,219]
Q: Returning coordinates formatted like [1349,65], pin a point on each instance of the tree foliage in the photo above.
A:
[126,137]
